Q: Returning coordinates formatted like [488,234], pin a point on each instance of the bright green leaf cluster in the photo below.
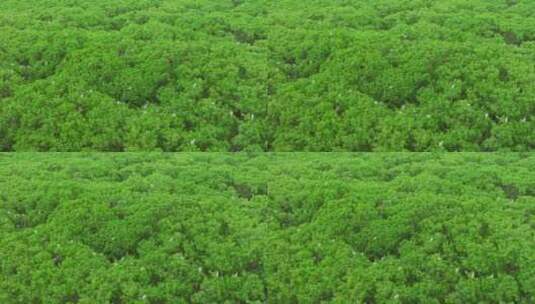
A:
[259,75]
[267,228]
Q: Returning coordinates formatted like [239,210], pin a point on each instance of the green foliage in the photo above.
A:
[287,75]
[267,228]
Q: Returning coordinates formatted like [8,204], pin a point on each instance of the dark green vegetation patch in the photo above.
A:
[285,75]
[275,228]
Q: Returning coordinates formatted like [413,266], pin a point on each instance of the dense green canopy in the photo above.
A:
[268,228]
[285,75]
